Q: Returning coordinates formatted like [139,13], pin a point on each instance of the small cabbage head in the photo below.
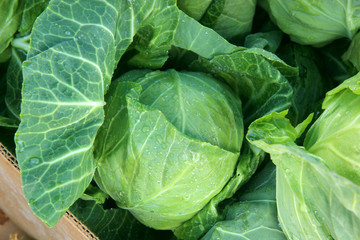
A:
[335,135]
[232,19]
[170,142]
[316,22]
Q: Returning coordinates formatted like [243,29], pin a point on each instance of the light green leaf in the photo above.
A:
[313,201]
[93,193]
[192,36]
[10,17]
[334,135]
[316,23]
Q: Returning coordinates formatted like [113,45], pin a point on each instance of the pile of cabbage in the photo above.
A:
[187,119]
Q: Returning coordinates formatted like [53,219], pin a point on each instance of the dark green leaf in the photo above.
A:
[32,9]
[66,74]
[253,215]
[113,223]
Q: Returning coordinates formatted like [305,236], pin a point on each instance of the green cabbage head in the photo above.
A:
[232,19]
[335,135]
[169,144]
[316,22]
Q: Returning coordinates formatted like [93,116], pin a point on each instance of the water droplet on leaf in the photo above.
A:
[34,160]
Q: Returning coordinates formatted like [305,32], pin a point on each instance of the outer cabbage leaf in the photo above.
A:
[320,203]
[316,22]
[334,136]
[253,215]
[232,19]
[66,74]
[179,171]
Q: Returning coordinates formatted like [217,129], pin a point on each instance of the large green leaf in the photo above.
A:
[334,136]
[66,74]
[313,201]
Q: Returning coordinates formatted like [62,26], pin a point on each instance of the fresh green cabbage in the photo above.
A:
[316,22]
[170,142]
[232,19]
[338,126]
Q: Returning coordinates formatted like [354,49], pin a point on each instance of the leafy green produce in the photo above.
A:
[316,22]
[180,127]
[172,107]
[322,178]
[329,136]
